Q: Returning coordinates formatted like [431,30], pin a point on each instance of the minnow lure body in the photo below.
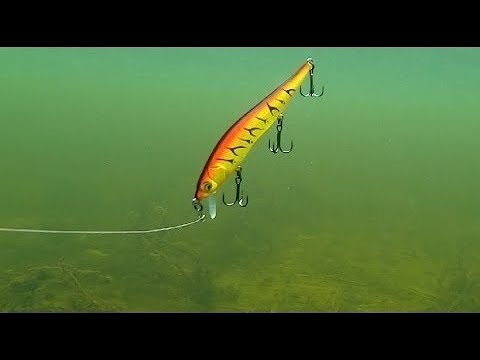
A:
[235,144]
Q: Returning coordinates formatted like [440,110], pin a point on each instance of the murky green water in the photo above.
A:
[376,209]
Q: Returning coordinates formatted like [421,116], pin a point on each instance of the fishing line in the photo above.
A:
[201,218]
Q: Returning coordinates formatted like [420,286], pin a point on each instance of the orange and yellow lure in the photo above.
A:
[233,147]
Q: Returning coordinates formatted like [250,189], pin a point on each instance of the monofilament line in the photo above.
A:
[100,232]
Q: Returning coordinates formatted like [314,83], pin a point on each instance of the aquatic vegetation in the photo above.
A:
[58,287]
[457,288]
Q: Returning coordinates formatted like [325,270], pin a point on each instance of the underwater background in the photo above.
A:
[376,209]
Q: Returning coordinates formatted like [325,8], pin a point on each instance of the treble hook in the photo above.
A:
[311,92]
[279,135]
[240,200]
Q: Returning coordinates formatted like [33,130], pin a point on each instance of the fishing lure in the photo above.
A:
[229,153]
[235,144]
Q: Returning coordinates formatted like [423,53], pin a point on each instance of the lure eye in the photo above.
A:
[207,186]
